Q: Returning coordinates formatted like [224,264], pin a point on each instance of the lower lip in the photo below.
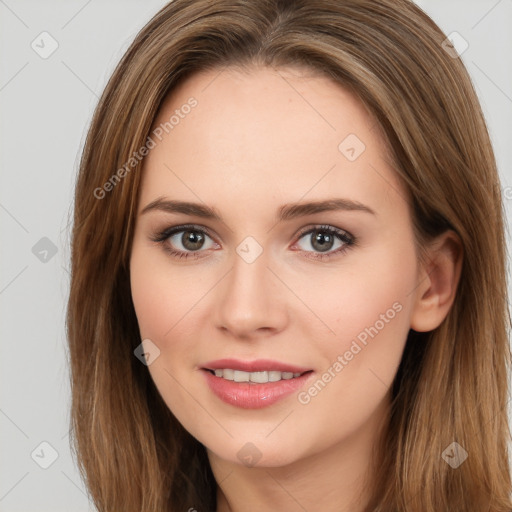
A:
[251,395]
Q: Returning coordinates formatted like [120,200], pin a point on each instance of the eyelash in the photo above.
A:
[345,237]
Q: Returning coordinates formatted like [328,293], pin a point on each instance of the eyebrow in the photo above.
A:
[285,212]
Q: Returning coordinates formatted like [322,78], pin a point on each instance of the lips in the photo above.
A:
[251,395]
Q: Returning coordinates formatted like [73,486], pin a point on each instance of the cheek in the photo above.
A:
[369,293]
[160,297]
[368,306]
[162,300]
[361,361]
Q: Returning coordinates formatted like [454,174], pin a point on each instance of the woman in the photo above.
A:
[288,268]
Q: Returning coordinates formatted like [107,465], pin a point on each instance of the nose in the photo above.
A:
[251,301]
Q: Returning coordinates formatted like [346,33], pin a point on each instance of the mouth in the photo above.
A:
[257,388]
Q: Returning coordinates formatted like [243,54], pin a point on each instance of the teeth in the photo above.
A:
[274,376]
[227,374]
[241,376]
[256,377]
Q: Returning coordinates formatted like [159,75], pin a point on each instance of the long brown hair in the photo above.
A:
[451,385]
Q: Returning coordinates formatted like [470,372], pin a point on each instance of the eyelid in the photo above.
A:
[326,227]
[169,231]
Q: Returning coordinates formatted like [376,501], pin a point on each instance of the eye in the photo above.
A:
[190,241]
[323,238]
[190,238]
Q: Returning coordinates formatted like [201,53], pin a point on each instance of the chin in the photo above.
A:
[258,452]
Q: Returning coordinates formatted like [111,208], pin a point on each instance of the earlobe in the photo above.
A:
[437,282]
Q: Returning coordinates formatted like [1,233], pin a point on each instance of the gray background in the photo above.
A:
[46,106]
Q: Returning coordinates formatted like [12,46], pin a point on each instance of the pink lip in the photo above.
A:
[250,395]
[258,365]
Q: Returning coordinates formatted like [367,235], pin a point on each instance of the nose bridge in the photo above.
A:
[250,276]
[249,299]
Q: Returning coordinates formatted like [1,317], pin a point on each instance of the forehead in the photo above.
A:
[261,97]
[286,130]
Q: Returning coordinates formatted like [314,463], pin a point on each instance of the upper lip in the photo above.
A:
[258,365]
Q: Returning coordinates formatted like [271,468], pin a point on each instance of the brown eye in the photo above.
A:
[192,240]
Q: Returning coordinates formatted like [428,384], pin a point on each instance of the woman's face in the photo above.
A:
[268,282]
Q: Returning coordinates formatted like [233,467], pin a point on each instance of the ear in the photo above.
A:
[437,282]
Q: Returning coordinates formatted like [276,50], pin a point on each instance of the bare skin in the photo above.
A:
[255,141]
